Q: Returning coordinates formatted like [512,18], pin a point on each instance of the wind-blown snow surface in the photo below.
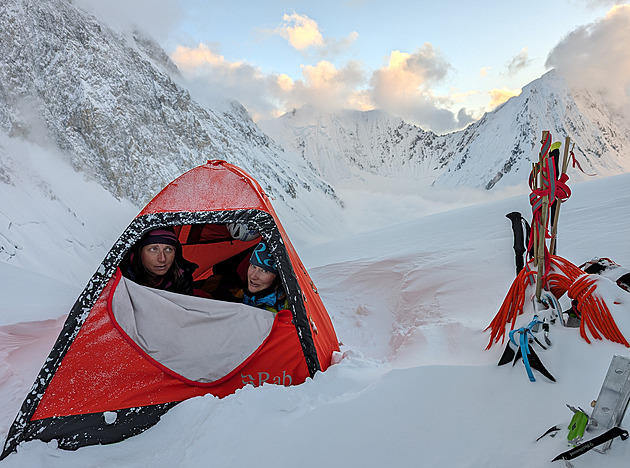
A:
[415,386]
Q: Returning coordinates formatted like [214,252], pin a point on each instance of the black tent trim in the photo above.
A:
[76,431]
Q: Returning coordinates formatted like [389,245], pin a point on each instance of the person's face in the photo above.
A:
[157,258]
[258,279]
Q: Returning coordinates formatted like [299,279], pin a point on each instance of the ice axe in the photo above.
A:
[590,444]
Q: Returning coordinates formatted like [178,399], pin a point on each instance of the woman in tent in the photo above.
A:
[263,288]
[157,261]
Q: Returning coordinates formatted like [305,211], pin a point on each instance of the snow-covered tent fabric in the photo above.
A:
[108,378]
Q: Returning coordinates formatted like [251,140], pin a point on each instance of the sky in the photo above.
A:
[439,65]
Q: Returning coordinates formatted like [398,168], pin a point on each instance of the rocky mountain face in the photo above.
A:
[346,144]
[497,150]
[114,107]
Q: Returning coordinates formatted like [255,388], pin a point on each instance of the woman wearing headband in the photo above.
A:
[157,261]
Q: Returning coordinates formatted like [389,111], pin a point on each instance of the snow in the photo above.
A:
[410,281]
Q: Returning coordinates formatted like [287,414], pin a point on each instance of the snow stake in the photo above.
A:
[612,402]
[608,413]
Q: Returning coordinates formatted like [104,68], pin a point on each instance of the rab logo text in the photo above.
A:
[263,377]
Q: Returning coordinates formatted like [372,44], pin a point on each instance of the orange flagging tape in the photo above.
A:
[511,308]
[564,277]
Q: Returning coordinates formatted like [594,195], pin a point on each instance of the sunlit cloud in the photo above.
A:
[304,35]
[404,87]
[326,87]
[323,85]
[212,78]
[499,96]
[407,77]
[323,76]
[361,100]
[301,31]
[597,57]
[190,59]
[485,71]
[285,83]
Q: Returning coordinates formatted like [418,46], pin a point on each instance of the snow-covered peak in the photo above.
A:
[499,149]
[350,144]
[495,151]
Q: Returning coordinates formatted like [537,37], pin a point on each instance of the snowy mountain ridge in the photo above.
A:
[347,143]
[497,150]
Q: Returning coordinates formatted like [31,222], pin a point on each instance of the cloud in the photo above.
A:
[301,31]
[594,4]
[212,79]
[333,47]
[499,96]
[266,96]
[519,62]
[597,56]
[155,17]
[304,35]
[324,87]
[464,117]
[330,84]
[190,59]
[404,88]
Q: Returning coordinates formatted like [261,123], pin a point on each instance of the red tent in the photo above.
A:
[112,374]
